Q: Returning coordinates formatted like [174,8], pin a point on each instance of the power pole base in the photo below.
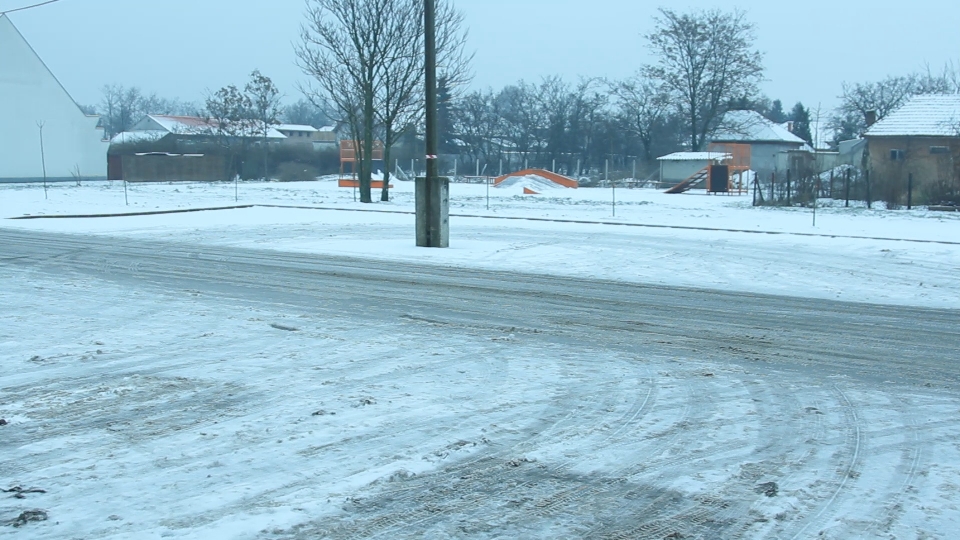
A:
[433,212]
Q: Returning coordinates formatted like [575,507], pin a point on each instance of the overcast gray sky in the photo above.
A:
[182,48]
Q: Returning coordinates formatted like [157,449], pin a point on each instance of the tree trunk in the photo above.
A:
[366,166]
[694,143]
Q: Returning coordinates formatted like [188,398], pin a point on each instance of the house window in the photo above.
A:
[935,150]
[897,155]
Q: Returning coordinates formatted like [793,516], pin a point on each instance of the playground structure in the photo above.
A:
[349,155]
[724,176]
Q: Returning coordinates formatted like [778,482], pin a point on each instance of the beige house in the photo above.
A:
[303,135]
[920,140]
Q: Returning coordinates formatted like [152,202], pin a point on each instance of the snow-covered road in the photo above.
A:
[171,389]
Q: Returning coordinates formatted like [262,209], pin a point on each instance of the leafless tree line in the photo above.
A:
[706,66]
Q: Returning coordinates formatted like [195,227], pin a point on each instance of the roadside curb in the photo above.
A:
[133,214]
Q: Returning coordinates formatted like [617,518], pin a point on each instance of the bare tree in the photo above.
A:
[121,108]
[264,101]
[587,114]
[642,106]
[478,125]
[228,110]
[399,93]
[707,60]
[305,112]
[343,47]
[366,58]
[520,118]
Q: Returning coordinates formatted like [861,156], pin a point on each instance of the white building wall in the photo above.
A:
[29,94]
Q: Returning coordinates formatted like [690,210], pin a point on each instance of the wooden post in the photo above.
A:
[788,187]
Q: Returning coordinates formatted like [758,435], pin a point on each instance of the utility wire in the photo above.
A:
[24,8]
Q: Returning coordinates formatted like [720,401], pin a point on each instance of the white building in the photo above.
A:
[30,95]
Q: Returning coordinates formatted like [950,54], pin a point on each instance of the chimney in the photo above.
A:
[871,117]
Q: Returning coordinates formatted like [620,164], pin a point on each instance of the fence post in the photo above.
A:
[910,191]
[788,187]
[816,196]
[866,175]
[773,184]
[847,188]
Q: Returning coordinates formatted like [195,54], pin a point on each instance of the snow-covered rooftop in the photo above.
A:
[751,126]
[296,127]
[931,115]
[194,125]
[127,137]
[695,156]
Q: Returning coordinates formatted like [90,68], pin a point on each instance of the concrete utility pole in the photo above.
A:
[432,191]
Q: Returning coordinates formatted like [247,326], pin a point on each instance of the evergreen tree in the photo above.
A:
[444,117]
[776,114]
[800,116]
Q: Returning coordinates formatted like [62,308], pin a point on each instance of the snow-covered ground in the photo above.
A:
[851,254]
[137,408]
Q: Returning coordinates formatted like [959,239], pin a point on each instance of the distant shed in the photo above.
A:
[679,166]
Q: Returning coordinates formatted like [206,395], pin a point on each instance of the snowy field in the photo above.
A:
[852,254]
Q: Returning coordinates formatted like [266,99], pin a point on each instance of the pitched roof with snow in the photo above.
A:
[695,156]
[194,125]
[296,127]
[751,126]
[931,116]
[129,137]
